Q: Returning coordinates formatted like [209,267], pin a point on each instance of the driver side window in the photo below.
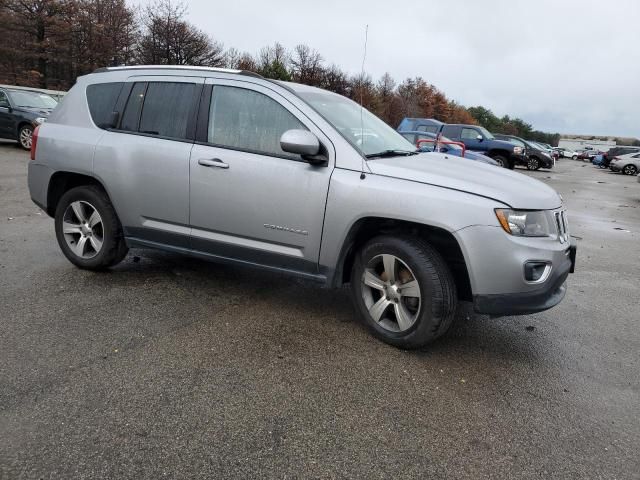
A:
[469,134]
[247,120]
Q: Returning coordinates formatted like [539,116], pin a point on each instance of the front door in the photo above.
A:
[250,200]
[7,123]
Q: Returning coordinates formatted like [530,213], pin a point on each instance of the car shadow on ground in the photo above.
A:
[300,302]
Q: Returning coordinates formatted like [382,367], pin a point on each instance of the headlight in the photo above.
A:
[39,120]
[525,223]
[517,150]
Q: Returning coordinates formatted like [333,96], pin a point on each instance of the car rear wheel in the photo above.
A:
[533,164]
[403,290]
[88,230]
[630,170]
[25,136]
[575,157]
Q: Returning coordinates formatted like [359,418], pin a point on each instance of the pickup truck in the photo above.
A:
[474,137]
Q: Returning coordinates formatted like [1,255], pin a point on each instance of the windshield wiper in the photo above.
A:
[392,153]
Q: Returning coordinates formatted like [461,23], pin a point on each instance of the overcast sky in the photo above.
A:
[571,66]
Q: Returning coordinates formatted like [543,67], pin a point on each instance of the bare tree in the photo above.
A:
[306,65]
[167,38]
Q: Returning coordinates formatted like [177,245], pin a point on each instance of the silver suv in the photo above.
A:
[231,167]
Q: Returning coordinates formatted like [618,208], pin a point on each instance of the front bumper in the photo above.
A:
[495,263]
[526,303]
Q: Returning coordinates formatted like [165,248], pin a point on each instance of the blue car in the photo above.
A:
[450,149]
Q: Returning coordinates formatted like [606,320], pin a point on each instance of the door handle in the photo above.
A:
[212,162]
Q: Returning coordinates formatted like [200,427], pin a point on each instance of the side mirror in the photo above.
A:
[302,142]
[479,138]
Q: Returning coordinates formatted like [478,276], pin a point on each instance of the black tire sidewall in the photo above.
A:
[112,241]
[504,163]
[426,327]
[633,171]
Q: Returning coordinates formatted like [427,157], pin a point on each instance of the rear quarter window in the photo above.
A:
[102,98]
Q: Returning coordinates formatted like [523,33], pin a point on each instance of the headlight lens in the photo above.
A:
[40,120]
[525,223]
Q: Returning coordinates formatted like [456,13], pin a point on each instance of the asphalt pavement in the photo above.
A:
[170,367]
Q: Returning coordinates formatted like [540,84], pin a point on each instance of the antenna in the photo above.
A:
[364,57]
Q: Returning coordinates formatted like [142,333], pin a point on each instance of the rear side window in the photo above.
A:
[451,131]
[159,108]
[102,98]
[4,101]
[428,128]
[166,109]
[131,114]
[250,121]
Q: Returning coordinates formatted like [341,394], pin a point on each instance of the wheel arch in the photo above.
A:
[442,240]
[63,181]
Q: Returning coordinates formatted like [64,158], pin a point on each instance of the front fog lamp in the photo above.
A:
[524,223]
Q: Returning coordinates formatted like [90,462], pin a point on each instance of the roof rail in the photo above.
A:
[176,67]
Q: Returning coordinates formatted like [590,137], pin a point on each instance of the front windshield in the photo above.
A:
[486,133]
[366,132]
[32,99]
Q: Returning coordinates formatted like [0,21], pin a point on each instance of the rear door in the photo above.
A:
[144,160]
[249,199]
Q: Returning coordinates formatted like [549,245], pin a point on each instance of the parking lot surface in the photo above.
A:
[169,367]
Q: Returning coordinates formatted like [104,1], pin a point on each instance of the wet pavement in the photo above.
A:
[172,367]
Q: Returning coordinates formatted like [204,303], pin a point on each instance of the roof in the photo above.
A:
[176,67]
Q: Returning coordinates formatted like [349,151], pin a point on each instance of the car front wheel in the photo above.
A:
[630,170]
[502,161]
[88,230]
[403,290]
[25,136]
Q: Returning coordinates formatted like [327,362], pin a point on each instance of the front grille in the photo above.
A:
[562,226]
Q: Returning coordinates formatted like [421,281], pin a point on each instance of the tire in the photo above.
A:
[91,246]
[575,157]
[533,163]
[503,162]
[25,134]
[425,317]
[630,169]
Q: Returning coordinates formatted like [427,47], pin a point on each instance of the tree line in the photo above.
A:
[48,43]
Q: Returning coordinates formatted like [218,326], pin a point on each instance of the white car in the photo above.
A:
[569,154]
[628,164]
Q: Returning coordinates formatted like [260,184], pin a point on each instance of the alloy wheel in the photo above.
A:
[532,164]
[26,135]
[83,229]
[391,293]
[629,170]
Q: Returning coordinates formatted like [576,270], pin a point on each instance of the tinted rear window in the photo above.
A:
[102,98]
[131,113]
[166,109]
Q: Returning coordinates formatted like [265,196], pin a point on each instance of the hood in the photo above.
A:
[512,188]
[495,143]
[40,112]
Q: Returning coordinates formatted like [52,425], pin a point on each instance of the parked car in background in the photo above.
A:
[21,111]
[588,155]
[567,153]
[536,156]
[434,144]
[622,150]
[628,164]
[235,168]
[474,137]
